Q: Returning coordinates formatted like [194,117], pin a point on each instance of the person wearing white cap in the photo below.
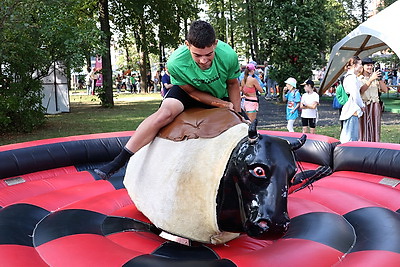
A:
[292,95]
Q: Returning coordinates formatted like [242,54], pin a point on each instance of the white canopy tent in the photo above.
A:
[55,91]
[377,33]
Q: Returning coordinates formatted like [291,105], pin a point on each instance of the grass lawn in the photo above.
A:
[87,117]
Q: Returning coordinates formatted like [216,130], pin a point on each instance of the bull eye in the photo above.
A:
[258,172]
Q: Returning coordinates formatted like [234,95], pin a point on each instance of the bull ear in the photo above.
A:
[298,143]
[253,135]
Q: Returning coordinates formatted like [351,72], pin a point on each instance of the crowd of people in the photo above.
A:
[128,81]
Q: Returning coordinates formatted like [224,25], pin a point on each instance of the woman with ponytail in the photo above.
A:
[249,85]
[353,109]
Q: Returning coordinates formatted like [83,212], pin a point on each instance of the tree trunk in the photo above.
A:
[143,57]
[143,72]
[363,7]
[128,57]
[231,22]
[249,27]
[253,29]
[106,58]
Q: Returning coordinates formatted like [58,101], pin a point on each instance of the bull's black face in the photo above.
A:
[265,168]
[260,170]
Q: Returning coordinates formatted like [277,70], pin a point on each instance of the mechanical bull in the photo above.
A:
[215,182]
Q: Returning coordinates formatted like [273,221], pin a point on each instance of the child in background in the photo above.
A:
[308,105]
[292,95]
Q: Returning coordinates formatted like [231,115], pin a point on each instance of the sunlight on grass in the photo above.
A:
[86,116]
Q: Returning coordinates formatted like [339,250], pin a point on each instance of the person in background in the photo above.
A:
[88,81]
[270,84]
[254,75]
[308,104]
[321,74]
[249,87]
[118,83]
[398,77]
[150,82]
[372,85]
[292,96]
[202,58]
[353,109]
[394,71]
[166,82]
[133,83]
[128,83]
[156,80]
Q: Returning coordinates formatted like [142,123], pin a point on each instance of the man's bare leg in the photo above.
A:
[145,133]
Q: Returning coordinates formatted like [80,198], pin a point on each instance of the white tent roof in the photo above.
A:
[377,33]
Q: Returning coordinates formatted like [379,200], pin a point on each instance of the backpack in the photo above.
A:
[341,94]
[336,104]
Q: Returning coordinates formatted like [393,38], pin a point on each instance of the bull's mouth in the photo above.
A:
[264,229]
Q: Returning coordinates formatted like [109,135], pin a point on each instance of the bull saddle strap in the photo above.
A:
[116,224]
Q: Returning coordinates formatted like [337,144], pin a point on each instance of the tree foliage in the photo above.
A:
[292,35]
[154,25]
[34,34]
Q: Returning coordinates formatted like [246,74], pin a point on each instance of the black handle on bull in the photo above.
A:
[244,115]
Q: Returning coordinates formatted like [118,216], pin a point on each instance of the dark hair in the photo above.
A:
[201,34]
[352,61]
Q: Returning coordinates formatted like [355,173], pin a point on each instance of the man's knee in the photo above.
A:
[165,116]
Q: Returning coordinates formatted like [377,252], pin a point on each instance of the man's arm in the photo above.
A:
[368,82]
[168,85]
[309,106]
[207,98]
[234,93]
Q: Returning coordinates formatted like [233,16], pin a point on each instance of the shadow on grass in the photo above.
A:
[88,118]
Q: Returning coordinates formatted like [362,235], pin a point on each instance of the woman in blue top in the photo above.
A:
[293,97]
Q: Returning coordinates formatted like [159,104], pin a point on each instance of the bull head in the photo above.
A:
[253,193]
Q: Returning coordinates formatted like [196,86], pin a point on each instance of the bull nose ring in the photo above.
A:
[263,224]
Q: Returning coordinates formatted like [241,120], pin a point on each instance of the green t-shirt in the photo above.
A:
[225,66]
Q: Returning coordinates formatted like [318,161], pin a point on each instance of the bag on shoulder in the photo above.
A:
[341,95]
[336,104]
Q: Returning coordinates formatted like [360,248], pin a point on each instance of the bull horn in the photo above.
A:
[298,143]
[253,135]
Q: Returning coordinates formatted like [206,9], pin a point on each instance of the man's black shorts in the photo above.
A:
[308,122]
[188,102]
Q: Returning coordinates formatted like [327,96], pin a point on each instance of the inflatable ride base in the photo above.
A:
[55,211]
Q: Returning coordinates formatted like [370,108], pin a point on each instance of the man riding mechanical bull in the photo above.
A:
[204,72]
